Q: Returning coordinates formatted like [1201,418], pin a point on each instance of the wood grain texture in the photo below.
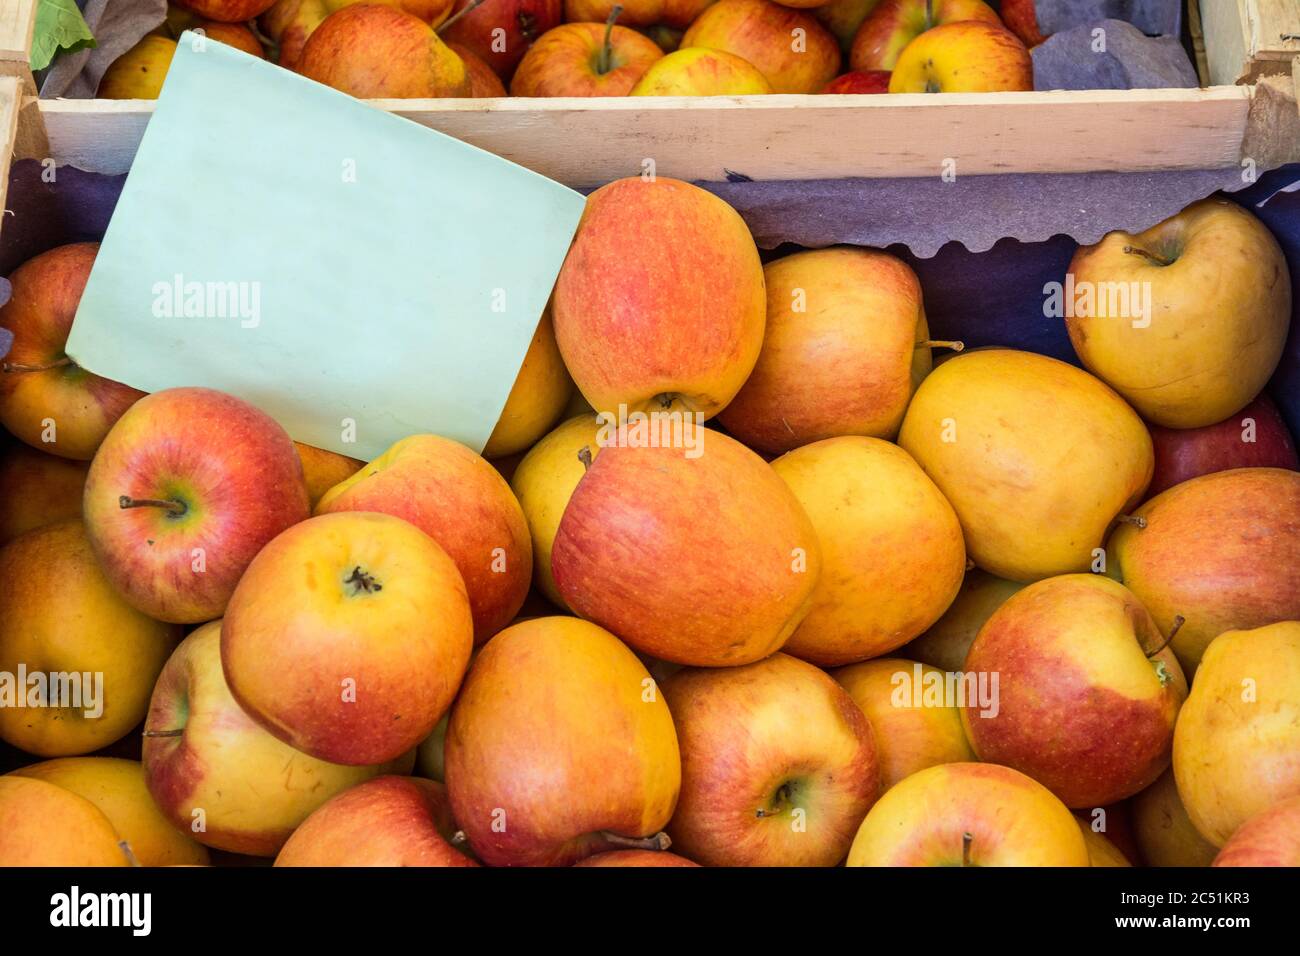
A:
[584,142]
[17,21]
[1247,39]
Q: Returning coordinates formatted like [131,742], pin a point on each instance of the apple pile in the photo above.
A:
[578,48]
[771,586]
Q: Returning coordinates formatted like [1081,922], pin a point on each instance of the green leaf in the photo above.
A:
[59,26]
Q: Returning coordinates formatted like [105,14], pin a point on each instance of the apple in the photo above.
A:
[348,636]
[778,765]
[1255,437]
[537,399]
[429,755]
[1237,746]
[214,773]
[584,59]
[628,552]
[870,81]
[635,858]
[36,489]
[290,22]
[138,74]
[696,71]
[948,640]
[911,732]
[968,56]
[969,814]
[483,81]
[61,616]
[1221,551]
[227,11]
[668,39]
[1163,830]
[633,13]
[680,14]
[1021,18]
[763,33]
[845,346]
[1087,692]
[499,32]
[117,788]
[560,746]
[375,52]
[1269,838]
[46,399]
[185,489]
[1101,851]
[42,824]
[843,17]
[459,500]
[891,548]
[322,469]
[660,300]
[237,35]
[893,24]
[1189,318]
[543,483]
[1037,457]
[387,821]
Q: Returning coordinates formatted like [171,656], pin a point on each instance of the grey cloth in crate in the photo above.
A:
[1153,17]
[117,25]
[1128,60]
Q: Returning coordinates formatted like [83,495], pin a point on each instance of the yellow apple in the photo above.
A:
[37,489]
[541,390]
[1101,852]
[1163,830]
[322,469]
[696,71]
[42,824]
[968,56]
[946,643]
[138,73]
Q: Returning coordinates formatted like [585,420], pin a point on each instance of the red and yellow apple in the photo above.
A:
[584,59]
[790,47]
[628,551]
[846,345]
[969,814]
[1205,319]
[1269,838]
[870,81]
[60,616]
[371,51]
[458,499]
[1221,551]
[891,548]
[46,399]
[42,824]
[483,81]
[37,489]
[185,490]
[227,11]
[1087,694]
[915,727]
[1037,457]
[660,300]
[1021,18]
[1237,746]
[559,746]
[893,24]
[778,765]
[697,71]
[348,636]
[636,858]
[387,821]
[499,32]
[632,13]
[968,56]
[217,775]
[290,22]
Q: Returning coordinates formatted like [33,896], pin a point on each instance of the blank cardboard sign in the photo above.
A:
[355,275]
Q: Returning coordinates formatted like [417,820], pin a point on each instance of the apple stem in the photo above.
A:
[942,344]
[966,840]
[19,367]
[1179,621]
[1136,521]
[171,504]
[164,733]
[131,858]
[584,456]
[929,14]
[458,838]
[607,48]
[456,16]
[1149,256]
[659,841]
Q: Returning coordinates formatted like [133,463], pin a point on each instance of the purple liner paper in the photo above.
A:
[1131,60]
[1152,17]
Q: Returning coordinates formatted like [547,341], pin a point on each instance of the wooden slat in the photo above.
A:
[17,21]
[11,99]
[1247,39]
[590,141]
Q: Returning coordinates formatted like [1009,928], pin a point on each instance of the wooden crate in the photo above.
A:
[1249,39]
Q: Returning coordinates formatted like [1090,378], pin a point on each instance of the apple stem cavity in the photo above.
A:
[659,841]
[44,367]
[584,456]
[164,733]
[454,17]
[177,508]
[1136,521]
[966,840]
[607,48]
[942,344]
[362,582]
[1149,256]
[1179,621]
